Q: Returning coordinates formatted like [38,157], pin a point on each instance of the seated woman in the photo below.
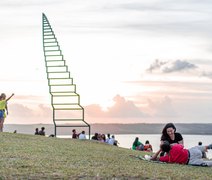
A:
[137,145]
[169,134]
[148,146]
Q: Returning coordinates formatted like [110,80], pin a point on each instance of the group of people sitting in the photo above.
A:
[172,149]
[102,138]
[97,137]
[137,145]
[40,132]
[78,136]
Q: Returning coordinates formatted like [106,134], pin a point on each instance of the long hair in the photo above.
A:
[136,142]
[169,125]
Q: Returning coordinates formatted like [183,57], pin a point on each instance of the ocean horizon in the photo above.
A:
[138,128]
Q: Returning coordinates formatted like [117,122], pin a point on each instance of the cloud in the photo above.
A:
[21,3]
[155,65]
[170,66]
[122,108]
[162,108]
[207,74]
[20,110]
[94,110]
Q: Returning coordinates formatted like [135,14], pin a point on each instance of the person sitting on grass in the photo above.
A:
[36,131]
[169,134]
[74,134]
[137,145]
[148,146]
[42,131]
[203,153]
[177,154]
[82,135]
[95,137]
[108,138]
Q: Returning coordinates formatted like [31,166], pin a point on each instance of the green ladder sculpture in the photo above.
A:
[67,111]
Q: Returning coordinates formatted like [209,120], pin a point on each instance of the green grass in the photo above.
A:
[37,157]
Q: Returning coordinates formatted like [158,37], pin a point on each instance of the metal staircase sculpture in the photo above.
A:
[67,111]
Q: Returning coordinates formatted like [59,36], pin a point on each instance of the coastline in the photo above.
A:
[139,128]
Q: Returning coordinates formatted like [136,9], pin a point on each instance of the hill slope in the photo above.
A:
[38,157]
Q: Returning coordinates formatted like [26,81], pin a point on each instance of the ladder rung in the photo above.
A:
[64,94]
[50,42]
[68,119]
[52,46]
[49,38]
[49,34]
[71,125]
[51,51]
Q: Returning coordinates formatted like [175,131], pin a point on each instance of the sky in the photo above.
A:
[132,61]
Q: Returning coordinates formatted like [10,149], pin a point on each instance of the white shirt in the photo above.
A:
[82,136]
[111,141]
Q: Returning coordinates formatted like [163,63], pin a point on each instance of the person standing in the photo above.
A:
[3,109]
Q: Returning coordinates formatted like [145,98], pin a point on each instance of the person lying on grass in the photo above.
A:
[177,154]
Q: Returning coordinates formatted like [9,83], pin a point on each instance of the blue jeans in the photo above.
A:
[1,114]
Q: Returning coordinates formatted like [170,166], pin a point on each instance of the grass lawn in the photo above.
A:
[37,157]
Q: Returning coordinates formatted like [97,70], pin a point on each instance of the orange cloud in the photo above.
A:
[122,108]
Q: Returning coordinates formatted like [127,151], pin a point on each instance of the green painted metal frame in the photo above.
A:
[57,71]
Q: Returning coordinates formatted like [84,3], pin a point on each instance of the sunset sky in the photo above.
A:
[132,61]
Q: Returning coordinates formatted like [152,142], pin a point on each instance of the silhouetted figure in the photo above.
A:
[74,134]
[200,143]
[95,137]
[36,131]
[42,132]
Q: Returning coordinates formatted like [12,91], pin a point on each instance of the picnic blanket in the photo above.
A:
[146,158]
